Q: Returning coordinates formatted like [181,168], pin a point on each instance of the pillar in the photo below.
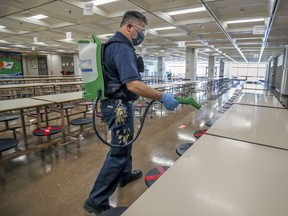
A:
[284,84]
[222,65]
[211,67]
[161,68]
[191,63]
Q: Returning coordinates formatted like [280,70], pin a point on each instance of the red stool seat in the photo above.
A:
[154,174]
[47,131]
[199,133]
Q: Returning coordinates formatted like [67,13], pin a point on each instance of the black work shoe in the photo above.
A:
[135,174]
[92,208]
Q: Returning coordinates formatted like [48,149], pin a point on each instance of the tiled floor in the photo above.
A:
[39,185]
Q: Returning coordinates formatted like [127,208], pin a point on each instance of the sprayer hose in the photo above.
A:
[142,120]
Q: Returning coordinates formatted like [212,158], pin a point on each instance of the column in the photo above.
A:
[191,63]
[211,67]
[284,84]
[222,64]
[161,68]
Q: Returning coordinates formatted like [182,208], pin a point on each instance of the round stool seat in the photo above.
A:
[222,110]
[81,121]
[68,107]
[99,114]
[140,105]
[7,143]
[182,148]
[229,103]
[154,174]
[86,103]
[114,211]
[199,133]
[42,111]
[8,118]
[209,123]
[47,131]
[226,106]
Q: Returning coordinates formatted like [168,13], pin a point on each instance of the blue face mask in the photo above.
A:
[139,37]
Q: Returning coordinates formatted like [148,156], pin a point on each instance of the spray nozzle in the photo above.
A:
[188,100]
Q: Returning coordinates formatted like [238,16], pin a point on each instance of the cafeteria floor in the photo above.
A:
[43,185]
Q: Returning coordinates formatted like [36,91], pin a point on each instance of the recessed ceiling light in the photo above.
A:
[101,2]
[245,21]
[191,10]
[38,17]
[164,28]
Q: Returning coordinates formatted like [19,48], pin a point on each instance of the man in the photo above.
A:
[123,85]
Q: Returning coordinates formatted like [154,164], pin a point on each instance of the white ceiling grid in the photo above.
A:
[206,30]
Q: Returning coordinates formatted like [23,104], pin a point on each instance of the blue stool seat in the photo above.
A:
[182,148]
[7,143]
[81,121]
[209,123]
[114,211]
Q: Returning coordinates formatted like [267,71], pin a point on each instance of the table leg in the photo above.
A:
[63,123]
[24,128]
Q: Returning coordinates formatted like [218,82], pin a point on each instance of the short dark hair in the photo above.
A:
[132,17]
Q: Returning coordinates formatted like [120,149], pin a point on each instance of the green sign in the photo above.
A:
[11,64]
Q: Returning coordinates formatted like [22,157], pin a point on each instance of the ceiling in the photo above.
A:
[206,30]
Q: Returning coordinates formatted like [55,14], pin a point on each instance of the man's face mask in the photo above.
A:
[141,33]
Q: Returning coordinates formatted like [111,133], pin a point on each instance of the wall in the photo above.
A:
[30,65]
[54,65]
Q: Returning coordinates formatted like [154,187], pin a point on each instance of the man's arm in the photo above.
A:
[143,90]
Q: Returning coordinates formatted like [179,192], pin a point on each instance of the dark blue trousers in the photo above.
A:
[118,163]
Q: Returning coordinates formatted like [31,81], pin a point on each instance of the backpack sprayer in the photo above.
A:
[91,65]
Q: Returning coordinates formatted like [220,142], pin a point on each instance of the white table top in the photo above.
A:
[258,100]
[256,91]
[254,86]
[261,125]
[219,177]
[22,103]
[10,86]
[61,98]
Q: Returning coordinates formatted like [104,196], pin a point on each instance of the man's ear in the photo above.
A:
[129,27]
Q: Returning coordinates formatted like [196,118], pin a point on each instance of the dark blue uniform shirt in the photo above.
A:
[120,62]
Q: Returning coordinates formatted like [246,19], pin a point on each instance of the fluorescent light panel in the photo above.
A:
[164,28]
[38,17]
[191,10]
[245,21]
[101,2]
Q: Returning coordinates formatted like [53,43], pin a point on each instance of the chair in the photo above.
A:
[80,122]
[182,148]
[67,108]
[154,174]
[5,144]
[6,119]
[199,133]
[48,131]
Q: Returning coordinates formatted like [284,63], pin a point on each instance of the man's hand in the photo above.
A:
[169,101]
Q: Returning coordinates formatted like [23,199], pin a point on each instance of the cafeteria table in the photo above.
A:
[61,99]
[21,104]
[259,125]
[219,177]
[259,100]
